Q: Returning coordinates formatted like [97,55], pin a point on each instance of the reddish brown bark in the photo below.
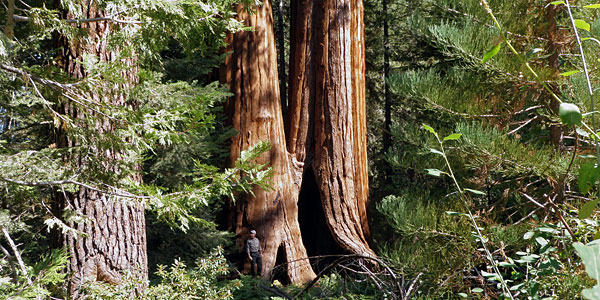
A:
[327,124]
[255,110]
[325,129]
[115,228]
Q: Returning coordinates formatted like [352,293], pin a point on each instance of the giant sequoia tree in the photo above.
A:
[321,155]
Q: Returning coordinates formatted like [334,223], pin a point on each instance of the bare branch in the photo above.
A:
[17,255]
[70,181]
[80,21]
[523,125]
[411,287]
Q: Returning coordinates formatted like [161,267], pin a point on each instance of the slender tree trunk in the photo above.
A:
[554,48]
[115,233]
[281,42]
[255,110]
[9,27]
[387,136]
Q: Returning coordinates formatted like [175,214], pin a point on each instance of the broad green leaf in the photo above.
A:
[430,129]
[506,264]
[463,295]
[588,174]
[534,51]
[592,6]
[557,2]
[434,172]
[582,132]
[587,209]
[453,137]
[569,73]
[477,290]
[436,151]
[491,53]
[476,192]
[569,114]
[490,276]
[542,241]
[527,259]
[528,235]
[590,255]
[581,24]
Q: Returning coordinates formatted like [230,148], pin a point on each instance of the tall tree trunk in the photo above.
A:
[325,130]
[255,110]
[327,112]
[115,233]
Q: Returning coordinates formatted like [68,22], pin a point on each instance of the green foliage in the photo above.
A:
[589,255]
[569,114]
[420,226]
[139,103]
[42,279]
[176,282]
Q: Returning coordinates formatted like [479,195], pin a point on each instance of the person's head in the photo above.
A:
[252,233]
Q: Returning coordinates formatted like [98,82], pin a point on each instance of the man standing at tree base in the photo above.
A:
[254,253]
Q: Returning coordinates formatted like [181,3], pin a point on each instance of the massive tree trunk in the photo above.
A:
[255,110]
[115,235]
[327,112]
[325,133]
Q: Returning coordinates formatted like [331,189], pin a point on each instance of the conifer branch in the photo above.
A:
[18,18]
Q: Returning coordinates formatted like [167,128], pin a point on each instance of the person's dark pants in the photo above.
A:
[256,262]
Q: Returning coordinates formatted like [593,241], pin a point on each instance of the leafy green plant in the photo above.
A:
[176,282]
[591,259]
[497,275]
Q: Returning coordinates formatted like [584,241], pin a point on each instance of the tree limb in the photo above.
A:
[17,255]
[79,21]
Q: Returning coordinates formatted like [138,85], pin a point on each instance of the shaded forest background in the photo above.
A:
[526,176]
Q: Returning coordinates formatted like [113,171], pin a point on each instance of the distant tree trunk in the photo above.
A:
[281,42]
[387,131]
[554,48]
[325,130]
[9,27]
[255,111]
[115,230]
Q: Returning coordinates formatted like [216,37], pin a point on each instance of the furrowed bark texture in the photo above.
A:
[327,112]
[255,111]
[115,228]
[325,129]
